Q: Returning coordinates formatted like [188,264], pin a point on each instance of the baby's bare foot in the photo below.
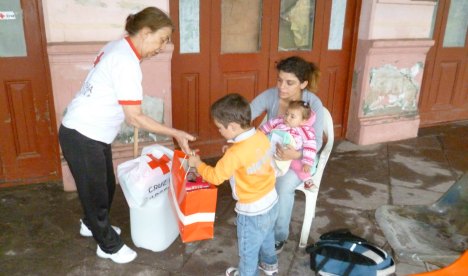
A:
[309,185]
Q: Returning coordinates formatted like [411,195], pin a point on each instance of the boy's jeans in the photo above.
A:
[256,240]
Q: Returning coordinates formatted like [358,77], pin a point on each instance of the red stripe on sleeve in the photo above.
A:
[130,102]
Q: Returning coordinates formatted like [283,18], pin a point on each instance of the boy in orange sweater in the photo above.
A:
[247,165]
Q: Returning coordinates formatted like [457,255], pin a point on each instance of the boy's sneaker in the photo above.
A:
[279,246]
[269,269]
[232,271]
[124,255]
[85,232]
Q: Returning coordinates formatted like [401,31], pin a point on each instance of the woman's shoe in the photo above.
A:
[85,232]
[124,255]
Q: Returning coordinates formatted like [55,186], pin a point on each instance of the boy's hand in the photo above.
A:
[306,168]
[194,160]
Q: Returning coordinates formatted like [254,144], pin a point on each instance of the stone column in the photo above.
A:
[394,38]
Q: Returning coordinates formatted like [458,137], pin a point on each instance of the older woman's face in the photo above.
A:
[154,42]
[289,86]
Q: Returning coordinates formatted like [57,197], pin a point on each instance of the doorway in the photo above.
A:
[444,92]
[29,150]
[232,46]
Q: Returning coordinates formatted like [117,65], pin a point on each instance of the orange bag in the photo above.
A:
[194,209]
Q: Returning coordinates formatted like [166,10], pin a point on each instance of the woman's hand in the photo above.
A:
[306,168]
[287,152]
[182,139]
[134,116]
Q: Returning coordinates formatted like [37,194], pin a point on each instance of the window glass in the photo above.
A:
[296,27]
[189,22]
[241,26]
[335,40]
[12,41]
[457,24]
[434,18]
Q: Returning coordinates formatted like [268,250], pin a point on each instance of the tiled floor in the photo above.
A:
[39,223]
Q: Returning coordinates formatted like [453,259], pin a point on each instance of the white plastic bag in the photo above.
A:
[148,176]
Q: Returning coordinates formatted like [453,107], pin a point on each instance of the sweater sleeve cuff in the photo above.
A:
[201,167]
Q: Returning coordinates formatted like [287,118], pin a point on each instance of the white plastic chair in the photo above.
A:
[311,195]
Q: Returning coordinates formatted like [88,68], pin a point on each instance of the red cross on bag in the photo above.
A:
[159,162]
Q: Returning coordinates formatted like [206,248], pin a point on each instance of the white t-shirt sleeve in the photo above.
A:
[127,79]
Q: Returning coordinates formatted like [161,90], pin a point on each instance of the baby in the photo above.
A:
[298,122]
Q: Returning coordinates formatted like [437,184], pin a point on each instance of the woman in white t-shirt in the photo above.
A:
[112,93]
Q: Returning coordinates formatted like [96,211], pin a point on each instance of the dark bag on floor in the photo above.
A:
[341,253]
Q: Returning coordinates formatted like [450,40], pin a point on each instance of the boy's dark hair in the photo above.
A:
[304,107]
[232,108]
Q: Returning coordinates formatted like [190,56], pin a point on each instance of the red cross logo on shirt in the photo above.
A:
[98,59]
[159,162]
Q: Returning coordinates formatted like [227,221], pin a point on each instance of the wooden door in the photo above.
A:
[222,65]
[28,147]
[444,93]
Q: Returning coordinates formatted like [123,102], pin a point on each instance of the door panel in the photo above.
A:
[446,75]
[21,104]
[29,147]
[190,84]
[445,84]
[199,79]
